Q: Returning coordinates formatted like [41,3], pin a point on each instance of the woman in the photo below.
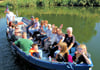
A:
[63,55]
[59,38]
[81,55]
[70,40]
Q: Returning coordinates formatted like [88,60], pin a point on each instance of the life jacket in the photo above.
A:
[32,51]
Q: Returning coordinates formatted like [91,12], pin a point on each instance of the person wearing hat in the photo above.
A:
[30,24]
[10,16]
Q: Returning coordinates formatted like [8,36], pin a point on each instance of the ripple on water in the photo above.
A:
[7,60]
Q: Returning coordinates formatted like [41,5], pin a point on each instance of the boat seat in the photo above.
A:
[26,21]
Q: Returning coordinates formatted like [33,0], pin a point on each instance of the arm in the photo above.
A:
[71,45]
[13,18]
[7,21]
[86,58]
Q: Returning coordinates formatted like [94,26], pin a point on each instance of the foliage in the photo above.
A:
[45,3]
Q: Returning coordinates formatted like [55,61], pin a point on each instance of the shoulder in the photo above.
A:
[66,35]
[73,36]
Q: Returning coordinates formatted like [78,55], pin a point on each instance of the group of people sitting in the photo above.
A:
[60,46]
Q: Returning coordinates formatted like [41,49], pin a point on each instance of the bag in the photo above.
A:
[70,59]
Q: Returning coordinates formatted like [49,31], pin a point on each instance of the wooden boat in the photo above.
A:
[42,64]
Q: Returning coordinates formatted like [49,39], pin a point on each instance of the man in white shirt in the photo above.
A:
[10,16]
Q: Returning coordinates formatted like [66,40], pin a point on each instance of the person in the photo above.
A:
[34,51]
[60,38]
[81,55]
[70,40]
[10,30]
[35,26]
[24,43]
[30,24]
[47,41]
[42,23]
[17,34]
[45,27]
[10,16]
[36,23]
[63,55]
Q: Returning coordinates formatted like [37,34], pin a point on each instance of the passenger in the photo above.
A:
[10,30]
[47,40]
[60,38]
[53,36]
[63,55]
[81,55]
[42,23]
[45,27]
[36,24]
[34,27]
[42,34]
[24,43]
[17,34]
[30,24]
[34,51]
[10,17]
[70,40]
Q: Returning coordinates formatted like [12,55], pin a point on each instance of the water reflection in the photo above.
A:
[84,28]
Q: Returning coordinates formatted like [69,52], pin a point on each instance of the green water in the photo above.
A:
[85,23]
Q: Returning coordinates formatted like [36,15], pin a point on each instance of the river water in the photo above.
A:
[85,23]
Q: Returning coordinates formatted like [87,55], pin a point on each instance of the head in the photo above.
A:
[53,25]
[7,11]
[46,23]
[13,26]
[32,17]
[10,24]
[24,35]
[54,31]
[36,19]
[63,47]
[35,46]
[69,30]
[49,26]
[17,31]
[81,49]
[42,22]
[59,31]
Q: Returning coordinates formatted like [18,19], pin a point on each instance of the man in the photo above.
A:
[17,34]
[30,24]
[24,43]
[10,16]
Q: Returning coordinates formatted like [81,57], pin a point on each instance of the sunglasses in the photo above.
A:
[79,48]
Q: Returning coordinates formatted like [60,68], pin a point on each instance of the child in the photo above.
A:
[34,51]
